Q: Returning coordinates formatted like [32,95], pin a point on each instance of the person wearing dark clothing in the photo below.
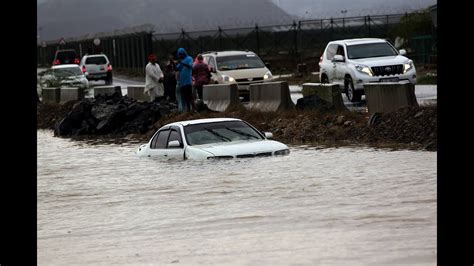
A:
[170,83]
[201,75]
[185,82]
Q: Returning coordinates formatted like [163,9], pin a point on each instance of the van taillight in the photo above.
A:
[109,67]
[77,61]
[56,62]
[84,70]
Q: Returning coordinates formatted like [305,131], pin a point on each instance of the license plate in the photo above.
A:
[389,80]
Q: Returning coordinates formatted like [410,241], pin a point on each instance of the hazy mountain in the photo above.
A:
[73,18]
[332,8]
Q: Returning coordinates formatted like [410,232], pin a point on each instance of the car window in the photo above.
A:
[212,62]
[370,50]
[65,55]
[340,50]
[228,131]
[96,60]
[174,135]
[67,72]
[160,140]
[331,51]
[234,62]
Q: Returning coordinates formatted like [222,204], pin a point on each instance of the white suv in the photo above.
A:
[352,63]
[97,67]
[241,67]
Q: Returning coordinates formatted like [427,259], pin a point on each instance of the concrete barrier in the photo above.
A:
[71,94]
[106,90]
[221,97]
[329,92]
[270,97]
[387,97]
[137,92]
[50,95]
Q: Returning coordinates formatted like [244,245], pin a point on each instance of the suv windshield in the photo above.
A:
[228,131]
[239,62]
[370,50]
[96,60]
[67,72]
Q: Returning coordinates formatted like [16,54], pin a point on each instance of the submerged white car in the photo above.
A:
[215,138]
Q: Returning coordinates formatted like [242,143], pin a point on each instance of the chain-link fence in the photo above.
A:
[282,46]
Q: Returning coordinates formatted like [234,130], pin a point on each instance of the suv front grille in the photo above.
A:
[387,70]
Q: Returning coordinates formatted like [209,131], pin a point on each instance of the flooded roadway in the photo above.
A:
[99,204]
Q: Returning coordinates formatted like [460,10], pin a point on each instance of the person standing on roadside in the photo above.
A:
[153,79]
[170,83]
[201,74]
[185,81]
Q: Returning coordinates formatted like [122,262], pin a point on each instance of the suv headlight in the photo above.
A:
[364,69]
[282,152]
[268,75]
[408,66]
[228,78]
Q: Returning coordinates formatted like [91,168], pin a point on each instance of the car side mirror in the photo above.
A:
[338,58]
[268,135]
[403,52]
[174,144]
[268,65]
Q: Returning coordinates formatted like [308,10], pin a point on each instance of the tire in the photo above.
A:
[352,95]
[109,80]
[324,79]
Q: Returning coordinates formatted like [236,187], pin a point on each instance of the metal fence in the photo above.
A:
[283,46]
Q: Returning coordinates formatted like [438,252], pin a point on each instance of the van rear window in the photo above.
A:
[96,60]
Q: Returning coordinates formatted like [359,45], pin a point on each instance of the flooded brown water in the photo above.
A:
[101,205]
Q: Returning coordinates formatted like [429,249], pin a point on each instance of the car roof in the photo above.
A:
[66,50]
[202,121]
[359,41]
[95,55]
[229,53]
[65,66]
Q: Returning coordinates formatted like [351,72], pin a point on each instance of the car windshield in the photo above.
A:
[239,62]
[370,50]
[67,72]
[217,132]
[96,60]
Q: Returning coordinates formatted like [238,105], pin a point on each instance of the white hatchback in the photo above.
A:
[352,63]
[215,138]
[97,67]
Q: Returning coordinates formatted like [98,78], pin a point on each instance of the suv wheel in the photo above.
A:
[352,95]
[324,79]
[109,80]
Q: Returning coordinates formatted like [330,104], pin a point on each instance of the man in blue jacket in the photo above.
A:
[185,68]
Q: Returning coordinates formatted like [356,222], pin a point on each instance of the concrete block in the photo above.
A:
[137,92]
[107,90]
[71,94]
[270,97]
[329,92]
[390,96]
[50,95]
[221,97]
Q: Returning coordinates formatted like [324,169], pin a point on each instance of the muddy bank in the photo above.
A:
[123,119]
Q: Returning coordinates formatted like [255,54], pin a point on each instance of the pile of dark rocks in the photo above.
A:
[112,115]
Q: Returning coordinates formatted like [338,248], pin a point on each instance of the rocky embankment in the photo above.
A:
[117,117]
